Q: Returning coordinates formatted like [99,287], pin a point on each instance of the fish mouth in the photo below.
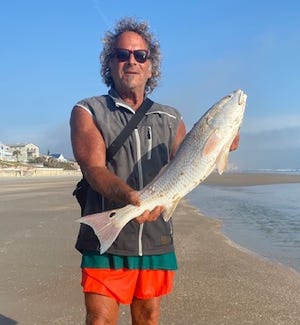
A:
[242,98]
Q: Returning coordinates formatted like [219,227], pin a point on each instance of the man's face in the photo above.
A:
[130,75]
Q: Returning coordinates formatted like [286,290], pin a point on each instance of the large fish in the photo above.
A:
[203,149]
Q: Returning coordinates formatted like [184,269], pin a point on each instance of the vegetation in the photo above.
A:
[16,153]
[7,164]
[44,161]
[54,163]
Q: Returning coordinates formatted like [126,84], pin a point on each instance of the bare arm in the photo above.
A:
[90,152]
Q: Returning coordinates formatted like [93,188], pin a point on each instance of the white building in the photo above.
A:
[58,156]
[24,152]
[5,153]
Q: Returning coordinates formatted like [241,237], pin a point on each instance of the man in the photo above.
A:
[139,267]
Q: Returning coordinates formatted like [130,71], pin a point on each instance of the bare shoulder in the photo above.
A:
[87,141]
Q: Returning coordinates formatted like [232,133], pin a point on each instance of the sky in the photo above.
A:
[49,60]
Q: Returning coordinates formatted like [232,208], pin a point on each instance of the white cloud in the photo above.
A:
[271,123]
[272,139]
[274,148]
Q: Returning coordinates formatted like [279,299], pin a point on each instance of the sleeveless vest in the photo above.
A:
[137,162]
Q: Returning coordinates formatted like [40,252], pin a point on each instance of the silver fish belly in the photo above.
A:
[205,148]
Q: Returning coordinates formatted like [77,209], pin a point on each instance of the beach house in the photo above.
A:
[5,153]
[24,151]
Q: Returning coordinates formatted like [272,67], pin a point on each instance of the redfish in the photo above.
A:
[205,148]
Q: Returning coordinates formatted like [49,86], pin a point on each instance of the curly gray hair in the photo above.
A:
[109,40]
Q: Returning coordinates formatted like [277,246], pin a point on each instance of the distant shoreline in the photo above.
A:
[36,172]
[226,179]
[250,179]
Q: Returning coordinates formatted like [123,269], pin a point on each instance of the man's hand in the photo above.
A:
[150,215]
[134,199]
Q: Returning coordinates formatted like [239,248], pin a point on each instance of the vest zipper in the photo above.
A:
[141,184]
[149,140]
[140,248]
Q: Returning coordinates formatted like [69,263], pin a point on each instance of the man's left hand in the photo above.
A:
[150,215]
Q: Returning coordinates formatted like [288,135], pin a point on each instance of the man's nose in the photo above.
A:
[132,59]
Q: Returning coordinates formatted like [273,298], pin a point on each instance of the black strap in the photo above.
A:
[82,186]
[131,125]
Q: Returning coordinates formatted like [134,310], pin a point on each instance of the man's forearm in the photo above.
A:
[108,184]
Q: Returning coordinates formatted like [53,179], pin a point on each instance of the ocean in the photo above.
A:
[263,218]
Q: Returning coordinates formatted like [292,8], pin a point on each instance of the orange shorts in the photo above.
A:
[123,284]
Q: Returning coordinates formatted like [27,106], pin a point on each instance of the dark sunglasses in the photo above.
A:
[123,55]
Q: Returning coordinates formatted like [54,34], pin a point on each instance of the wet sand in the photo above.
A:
[217,281]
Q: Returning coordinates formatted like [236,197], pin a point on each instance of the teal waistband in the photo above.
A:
[166,261]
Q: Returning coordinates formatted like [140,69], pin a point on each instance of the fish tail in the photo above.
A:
[105,227]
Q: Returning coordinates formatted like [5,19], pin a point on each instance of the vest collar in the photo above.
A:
[118,101]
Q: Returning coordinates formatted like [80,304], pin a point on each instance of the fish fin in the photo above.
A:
[167,214]
[210,144]
[105,227]
[222,160]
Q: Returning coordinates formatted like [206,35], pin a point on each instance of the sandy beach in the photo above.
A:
[217,283]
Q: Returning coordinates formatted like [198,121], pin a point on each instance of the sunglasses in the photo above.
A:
[122,55]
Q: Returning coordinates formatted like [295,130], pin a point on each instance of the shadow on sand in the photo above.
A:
[7,321]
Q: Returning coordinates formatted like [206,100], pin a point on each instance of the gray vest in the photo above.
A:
[137,162]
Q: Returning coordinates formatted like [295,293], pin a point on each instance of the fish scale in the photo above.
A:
[203,149]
